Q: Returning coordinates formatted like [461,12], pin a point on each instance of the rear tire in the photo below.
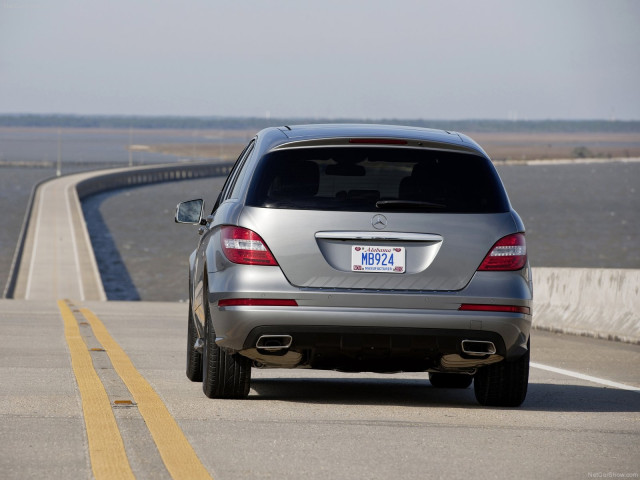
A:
[450,380]
[223,375]
[194,358]
[503,384]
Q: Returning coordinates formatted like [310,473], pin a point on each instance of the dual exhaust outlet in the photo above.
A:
[478,348]
[274,343]
[277,343]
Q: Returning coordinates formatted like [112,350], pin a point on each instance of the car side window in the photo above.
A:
[231,178]
[242,172]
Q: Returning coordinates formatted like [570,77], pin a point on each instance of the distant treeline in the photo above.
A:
[255,123]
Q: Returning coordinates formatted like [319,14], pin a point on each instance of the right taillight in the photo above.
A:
[241,245]
[509,253]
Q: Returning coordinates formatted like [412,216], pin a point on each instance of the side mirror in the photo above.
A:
[190,212]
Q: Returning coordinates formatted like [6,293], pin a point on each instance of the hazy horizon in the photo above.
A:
[410,59]
[329,118]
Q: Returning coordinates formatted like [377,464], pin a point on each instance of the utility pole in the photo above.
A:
[130,142]
[59,164]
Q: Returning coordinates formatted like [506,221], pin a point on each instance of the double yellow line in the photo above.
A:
[106,448]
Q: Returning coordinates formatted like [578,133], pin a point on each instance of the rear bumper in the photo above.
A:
[374,349]
[408,328]
[358,332]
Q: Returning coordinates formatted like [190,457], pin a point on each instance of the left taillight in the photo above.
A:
[509,253]
[244,246]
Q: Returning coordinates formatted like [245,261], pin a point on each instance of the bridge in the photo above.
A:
[96,389]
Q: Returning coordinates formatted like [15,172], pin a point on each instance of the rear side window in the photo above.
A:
[230,183]
[377,179]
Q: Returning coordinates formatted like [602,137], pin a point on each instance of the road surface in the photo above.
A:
[581,418]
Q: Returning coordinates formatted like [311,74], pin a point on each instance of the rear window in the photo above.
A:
[377,179]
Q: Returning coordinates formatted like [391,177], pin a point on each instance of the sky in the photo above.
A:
[458,59]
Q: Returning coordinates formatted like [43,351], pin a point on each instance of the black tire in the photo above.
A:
[450,380]
[503,384]
[194,358]
[223,375]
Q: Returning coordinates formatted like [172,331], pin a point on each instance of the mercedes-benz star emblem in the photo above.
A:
[379,222]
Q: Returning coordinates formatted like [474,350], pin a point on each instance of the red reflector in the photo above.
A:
[378,141]
[509,253]
[267,302]
[471,307]
[241,245]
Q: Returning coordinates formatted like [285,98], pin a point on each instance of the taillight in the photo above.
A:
[377,141]
[241,245]
[509,253]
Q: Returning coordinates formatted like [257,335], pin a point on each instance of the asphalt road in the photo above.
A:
[305,424]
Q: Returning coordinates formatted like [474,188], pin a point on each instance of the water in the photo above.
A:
[141,252]
[578,215]
[99,147]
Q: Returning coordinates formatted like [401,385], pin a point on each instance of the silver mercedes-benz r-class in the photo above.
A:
[361,248]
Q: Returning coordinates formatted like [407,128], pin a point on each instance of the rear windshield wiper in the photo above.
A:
[408,205]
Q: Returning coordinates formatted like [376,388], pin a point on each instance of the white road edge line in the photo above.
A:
[34,252]
[588,378]
[74,244]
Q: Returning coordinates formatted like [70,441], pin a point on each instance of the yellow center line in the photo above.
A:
[176,451]
[106,449]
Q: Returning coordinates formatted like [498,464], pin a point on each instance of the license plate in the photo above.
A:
[377,259]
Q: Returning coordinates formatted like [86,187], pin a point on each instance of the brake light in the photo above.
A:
[268,302]
[378,141]
[509,253]
[471,307]
[244,246]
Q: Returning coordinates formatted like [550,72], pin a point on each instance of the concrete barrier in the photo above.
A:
[602,303]
[130,177]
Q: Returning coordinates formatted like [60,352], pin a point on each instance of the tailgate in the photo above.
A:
[434,252]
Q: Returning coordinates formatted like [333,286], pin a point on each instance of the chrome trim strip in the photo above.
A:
[390,236]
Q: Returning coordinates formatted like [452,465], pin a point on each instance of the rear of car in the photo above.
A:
[369,248]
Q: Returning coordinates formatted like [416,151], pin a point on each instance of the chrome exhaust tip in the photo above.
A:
[478,348]
[274,343]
